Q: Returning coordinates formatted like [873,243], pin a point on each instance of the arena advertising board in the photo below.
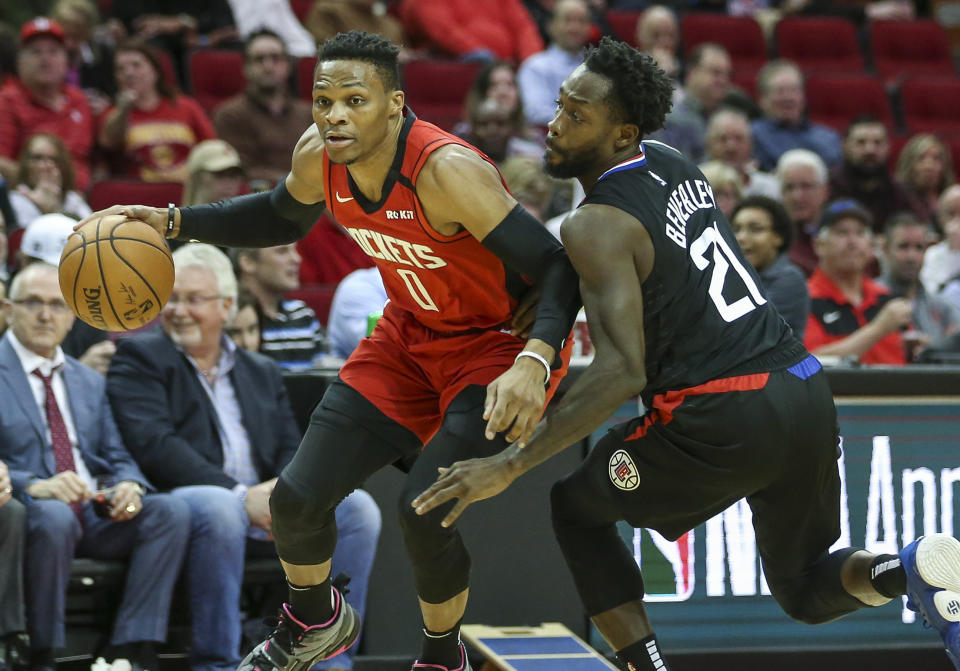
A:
[901,479]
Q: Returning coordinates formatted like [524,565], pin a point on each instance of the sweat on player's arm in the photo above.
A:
[606,246]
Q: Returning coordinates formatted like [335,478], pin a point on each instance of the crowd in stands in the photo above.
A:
[849,214]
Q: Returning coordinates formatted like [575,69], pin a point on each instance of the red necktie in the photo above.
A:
[62,449]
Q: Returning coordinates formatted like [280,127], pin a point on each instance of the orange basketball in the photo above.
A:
[116,273]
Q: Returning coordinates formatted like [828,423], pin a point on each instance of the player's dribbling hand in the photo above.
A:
[155,217]
[515,401]
[467,481]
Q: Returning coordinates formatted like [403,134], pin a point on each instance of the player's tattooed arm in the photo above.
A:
[613,254]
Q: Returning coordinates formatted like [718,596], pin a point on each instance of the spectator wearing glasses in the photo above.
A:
[212,423]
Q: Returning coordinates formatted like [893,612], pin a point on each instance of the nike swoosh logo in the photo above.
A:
[342,200]
[830,317]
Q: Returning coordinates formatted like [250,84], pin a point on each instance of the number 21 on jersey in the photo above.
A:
[723,260]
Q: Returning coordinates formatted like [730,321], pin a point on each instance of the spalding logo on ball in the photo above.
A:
[116,273]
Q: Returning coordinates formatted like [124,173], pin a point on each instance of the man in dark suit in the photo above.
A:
[59,440]
[212,423]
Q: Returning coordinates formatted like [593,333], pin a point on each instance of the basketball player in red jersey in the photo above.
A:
[441,370]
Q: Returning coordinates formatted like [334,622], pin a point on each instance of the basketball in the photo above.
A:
[116,274]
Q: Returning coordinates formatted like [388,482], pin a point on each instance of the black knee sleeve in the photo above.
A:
[818,595]
[603,568]
[304,527]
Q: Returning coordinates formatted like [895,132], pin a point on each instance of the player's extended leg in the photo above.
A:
[348,439]
[440,560]
[604,570]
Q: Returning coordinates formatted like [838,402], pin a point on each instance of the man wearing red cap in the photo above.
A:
[42,102]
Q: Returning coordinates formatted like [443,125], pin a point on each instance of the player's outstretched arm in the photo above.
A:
[458,189]
[613,253]
[265,219]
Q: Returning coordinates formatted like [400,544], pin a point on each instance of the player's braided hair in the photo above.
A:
[640,92]
[367,47]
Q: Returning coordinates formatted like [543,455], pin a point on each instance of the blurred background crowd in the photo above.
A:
[828,132]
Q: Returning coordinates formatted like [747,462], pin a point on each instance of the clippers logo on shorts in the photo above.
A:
[623,472]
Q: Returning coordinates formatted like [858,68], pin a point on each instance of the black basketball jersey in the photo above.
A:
[705,313]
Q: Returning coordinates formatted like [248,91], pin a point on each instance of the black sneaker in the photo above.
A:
[295,646]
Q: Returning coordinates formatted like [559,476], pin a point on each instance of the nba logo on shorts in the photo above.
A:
[623,472]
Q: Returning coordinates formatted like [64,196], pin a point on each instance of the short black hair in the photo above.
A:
[782,225]
[902,220]
[262,32]
[862,120]
[367,47]
[640,92]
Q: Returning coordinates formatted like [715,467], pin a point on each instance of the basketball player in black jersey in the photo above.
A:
[736,407]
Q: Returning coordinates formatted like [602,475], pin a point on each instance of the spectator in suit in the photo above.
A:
[150,126]
[59,441]
[850,314]
[784,124]
[13,527]
[265,121]
[730,140]
[41,101]
[45,182]
[804,189]
[541,74]
[925,170]
[292,336]
[764,233]
[864,176]
[212,423]
[469,30]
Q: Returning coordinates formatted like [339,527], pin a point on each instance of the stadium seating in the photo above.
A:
[305,68]
[740,35]
[835,100]
[623,23]
[437,90]
[215,75]
[903,48]
[930,105]
[123,191]
[820,44]
[301,8]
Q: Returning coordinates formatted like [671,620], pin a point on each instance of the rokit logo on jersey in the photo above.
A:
[399,214]
[388,248]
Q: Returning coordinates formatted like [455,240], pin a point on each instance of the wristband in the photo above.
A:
[171,217]
[534,355]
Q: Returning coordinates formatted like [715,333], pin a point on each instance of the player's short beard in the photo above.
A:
[569,167]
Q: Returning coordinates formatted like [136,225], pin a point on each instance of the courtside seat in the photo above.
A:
[109,192]
[740,35]
[215,76]
[437,89]
[826,45]
[904,48]
[835,100]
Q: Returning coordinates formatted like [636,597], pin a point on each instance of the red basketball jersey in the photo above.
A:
[448,283]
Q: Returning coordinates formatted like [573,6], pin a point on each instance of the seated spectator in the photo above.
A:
[291,334]
[493,132]
[212,423]
[658,33]
[45,182]
[764,233]
[864,176]
[850,314]
[729,140]
[726,184]
[151,126]
[498,81]
[529,184]
[706,83]
[13,624]
[265,121]
[941,263]
[804,189]
[41,101]
[214,171]
[784,124]
[925,170]
[934,318]
[243,328]
[541,74]
[483,31]
[329,17]
[90,49]
[277,18]
[358,297]
[61,445]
